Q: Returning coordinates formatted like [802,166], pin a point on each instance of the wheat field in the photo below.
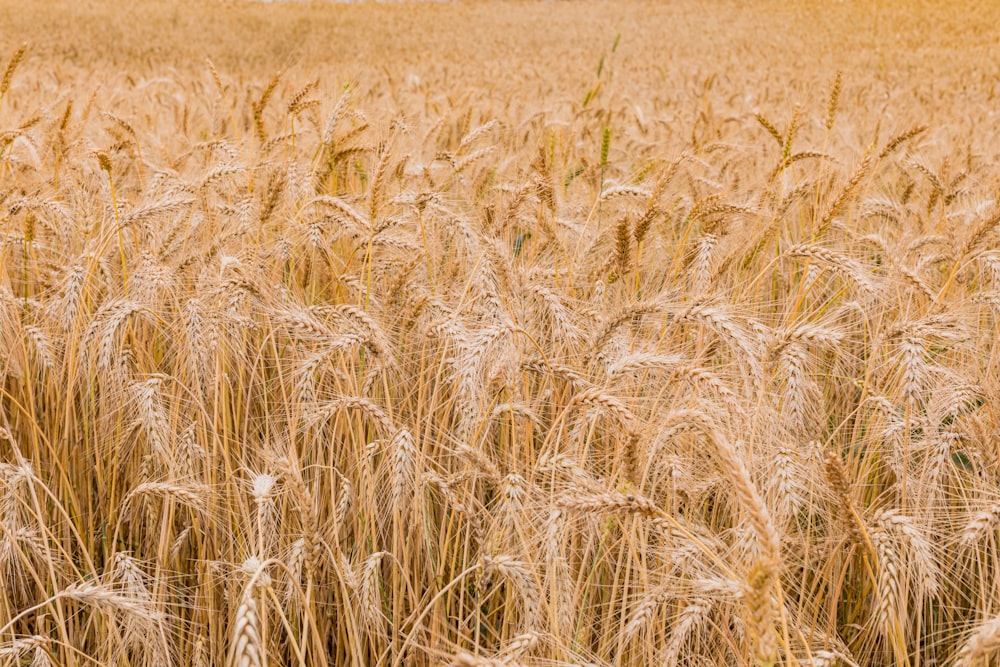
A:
[499,333]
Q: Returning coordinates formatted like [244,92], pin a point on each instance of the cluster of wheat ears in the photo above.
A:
[288,379]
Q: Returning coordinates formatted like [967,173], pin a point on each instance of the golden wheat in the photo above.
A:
[498,334]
